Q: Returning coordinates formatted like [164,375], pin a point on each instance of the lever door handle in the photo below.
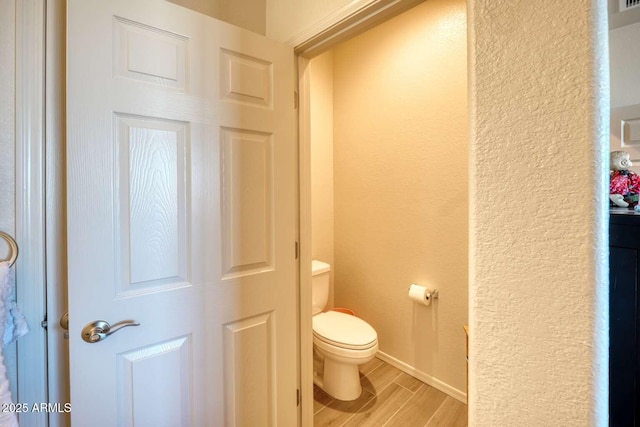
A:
[99,330]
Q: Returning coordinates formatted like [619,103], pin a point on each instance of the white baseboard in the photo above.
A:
[425,378]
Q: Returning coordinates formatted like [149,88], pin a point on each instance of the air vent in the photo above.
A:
[628,4]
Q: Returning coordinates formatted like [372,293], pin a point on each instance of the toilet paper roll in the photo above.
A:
[419,294]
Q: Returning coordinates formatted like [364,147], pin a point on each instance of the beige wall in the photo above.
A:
[321,111]
[248,14]
[539,260]
[400,167]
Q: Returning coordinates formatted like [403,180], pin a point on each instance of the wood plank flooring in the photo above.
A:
[389,398]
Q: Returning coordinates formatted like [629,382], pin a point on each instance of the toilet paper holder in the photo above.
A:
[433,293]
[422,294]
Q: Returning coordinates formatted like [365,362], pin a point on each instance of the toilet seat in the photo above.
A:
[344,331]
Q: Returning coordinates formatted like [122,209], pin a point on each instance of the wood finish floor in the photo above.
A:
[389,398]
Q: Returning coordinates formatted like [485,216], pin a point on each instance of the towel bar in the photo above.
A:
[14,248]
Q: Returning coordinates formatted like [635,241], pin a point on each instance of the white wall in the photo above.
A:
[539,266]
[400,168]
[321,111]
[624,54]
[624,51]
[620,19]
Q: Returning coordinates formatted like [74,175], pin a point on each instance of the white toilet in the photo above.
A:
[341,342]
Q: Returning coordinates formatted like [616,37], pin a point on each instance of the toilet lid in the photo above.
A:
[343,330]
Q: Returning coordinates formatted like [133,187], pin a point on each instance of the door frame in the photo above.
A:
[30,205]
[334,30]
[56,206]
[40,205]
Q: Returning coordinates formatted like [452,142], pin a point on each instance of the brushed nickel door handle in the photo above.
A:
[99,330]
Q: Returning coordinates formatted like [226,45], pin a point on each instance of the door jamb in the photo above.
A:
[304,185]
[333,32]
[55,207]
[40,205]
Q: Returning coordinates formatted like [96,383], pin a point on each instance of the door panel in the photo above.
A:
[182,217]
[247,199]
[249,387]
[167,364]
[152,205]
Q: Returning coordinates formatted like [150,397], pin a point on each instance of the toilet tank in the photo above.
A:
[319,285]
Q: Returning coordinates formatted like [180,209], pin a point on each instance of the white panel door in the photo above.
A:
[181,217]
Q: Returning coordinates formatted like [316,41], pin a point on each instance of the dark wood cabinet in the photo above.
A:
[624,331]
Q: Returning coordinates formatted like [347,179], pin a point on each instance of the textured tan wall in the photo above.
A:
[400,167]
[248,14]
[538,279]
[321,110]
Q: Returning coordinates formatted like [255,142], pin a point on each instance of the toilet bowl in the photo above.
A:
[341,342]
